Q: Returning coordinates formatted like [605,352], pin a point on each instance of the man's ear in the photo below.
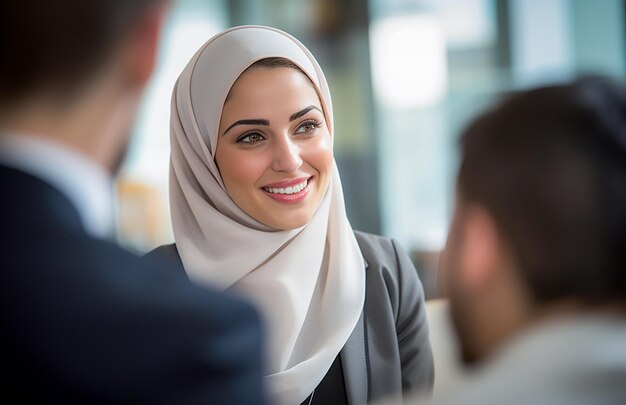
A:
[143,44]
[481,249]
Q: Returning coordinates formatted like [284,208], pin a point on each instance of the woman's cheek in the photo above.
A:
[324,154]
[240,168]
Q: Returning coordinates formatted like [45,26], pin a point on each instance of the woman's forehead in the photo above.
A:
[272,86]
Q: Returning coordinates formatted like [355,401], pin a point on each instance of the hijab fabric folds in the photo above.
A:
[308,283]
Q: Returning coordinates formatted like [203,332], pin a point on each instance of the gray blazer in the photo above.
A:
[388,353]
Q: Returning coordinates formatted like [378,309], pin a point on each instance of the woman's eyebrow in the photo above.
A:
[302,112]
[248,122]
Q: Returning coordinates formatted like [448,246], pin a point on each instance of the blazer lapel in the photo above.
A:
[354,364]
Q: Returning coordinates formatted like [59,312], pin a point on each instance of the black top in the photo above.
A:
[332,389]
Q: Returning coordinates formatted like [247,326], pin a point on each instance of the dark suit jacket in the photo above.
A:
[84,321]
[389,352]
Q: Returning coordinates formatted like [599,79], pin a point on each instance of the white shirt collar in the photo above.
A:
[88,186]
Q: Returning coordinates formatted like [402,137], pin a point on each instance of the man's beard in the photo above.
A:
[461,311]
[462,323]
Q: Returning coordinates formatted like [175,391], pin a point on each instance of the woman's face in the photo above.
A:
[274,149]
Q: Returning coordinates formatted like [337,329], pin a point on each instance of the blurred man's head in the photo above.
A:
[74,70]
[540,222]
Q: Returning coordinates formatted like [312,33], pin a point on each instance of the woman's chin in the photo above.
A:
[288,224]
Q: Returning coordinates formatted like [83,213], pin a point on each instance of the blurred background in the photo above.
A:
[405,76]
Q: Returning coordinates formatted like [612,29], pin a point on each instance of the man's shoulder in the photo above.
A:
[29,204]
[555,364]
[117,320]
[81,274]
[71,261]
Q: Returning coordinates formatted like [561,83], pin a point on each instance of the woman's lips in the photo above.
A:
[288,183]
[292,191]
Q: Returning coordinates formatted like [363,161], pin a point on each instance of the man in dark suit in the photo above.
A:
[82,319]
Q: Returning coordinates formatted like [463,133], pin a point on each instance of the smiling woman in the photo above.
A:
[258,211]
[275,167]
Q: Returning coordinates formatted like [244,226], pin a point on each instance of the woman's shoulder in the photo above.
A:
[390,269]
[379,251]
[166,255]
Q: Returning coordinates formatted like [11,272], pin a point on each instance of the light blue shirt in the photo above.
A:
[88,186]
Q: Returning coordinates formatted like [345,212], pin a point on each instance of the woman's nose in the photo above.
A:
[286,156]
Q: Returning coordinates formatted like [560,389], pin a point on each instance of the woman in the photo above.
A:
[257,209]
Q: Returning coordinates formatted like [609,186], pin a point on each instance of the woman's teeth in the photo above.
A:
[287,190]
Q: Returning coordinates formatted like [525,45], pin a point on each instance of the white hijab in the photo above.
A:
[308,283]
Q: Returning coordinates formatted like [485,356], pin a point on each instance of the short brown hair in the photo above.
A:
[550,165]
[58,44]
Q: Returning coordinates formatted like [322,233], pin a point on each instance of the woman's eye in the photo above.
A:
[308,126]
[250,138]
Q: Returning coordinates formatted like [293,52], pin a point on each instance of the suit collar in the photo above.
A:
[86,184]
[30,202]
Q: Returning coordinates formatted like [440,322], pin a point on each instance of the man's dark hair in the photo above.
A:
[57,45]
[550,165]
